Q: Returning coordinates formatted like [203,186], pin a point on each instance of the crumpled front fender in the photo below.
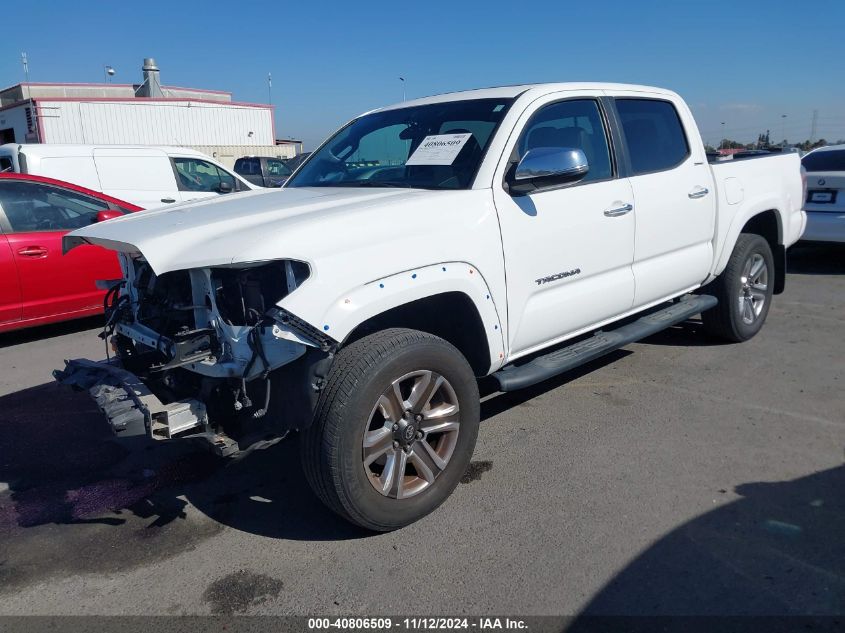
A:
[340,317]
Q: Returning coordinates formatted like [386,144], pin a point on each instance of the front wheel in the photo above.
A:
[394,429]
[744,290]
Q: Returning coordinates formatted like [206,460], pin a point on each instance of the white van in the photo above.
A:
[144,175]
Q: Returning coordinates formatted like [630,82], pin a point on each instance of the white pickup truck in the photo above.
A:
[514,232]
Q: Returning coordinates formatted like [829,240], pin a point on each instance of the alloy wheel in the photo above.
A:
[411,434]
[753,285]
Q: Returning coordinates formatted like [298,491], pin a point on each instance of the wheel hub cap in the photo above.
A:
[406,434]
[411,434]
[753,287]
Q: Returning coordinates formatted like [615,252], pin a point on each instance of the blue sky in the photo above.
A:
[744,62]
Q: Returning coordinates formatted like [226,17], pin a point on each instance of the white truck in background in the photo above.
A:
[144,175]
[511,232]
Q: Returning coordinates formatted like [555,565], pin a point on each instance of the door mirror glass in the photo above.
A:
[102,216]
[548,166]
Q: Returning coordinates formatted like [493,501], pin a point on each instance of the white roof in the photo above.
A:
[60,149]
[535,90]
[828,148]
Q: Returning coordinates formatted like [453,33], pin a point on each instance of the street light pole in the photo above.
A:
[783,130]
[402,79]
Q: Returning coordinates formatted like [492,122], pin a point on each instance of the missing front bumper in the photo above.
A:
[132,410]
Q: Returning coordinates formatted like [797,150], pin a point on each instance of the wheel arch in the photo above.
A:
[763,219]
[450,315]
[450,299]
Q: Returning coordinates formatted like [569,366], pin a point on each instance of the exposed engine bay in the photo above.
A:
[206,353]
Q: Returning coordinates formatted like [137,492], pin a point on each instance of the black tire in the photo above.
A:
[331,448]
[726,321]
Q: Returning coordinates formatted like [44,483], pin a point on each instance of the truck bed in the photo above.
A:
[753,185]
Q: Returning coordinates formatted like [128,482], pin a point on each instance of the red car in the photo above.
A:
[38,284]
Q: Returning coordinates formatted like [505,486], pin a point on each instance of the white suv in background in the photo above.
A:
[825,202]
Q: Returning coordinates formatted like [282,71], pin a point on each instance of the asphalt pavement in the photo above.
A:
[676,476]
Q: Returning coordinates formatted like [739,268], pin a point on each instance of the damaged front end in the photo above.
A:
[205,354]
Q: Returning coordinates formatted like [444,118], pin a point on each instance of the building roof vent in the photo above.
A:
[151,87]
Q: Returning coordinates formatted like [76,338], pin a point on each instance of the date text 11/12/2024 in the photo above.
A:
[417,624]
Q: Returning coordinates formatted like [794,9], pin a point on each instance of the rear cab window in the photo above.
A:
[248,166]
[653,133]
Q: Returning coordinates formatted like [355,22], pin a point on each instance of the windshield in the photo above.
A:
[827,160]
[435,146]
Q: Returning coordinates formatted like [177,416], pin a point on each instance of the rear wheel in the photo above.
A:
[744,290]
[394,430]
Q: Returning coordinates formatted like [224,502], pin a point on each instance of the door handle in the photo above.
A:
[698,192]
[168,200]
[615,213]
[33,251]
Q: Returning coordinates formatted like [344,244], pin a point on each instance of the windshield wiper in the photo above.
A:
[371,183]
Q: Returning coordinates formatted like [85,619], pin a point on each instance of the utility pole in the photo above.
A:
[270,88]
[25,63]
[813,126]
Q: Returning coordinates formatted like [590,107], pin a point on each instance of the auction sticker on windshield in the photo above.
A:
[439,149]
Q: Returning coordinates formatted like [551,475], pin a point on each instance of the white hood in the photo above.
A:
[233,228]
[368,249]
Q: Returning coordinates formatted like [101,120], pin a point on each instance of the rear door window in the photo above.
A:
[31,206]
[654,134]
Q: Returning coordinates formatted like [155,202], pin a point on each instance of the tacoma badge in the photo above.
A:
[563,275]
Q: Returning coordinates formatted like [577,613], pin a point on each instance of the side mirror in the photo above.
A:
[547,167]
[224,187]
[102,216]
